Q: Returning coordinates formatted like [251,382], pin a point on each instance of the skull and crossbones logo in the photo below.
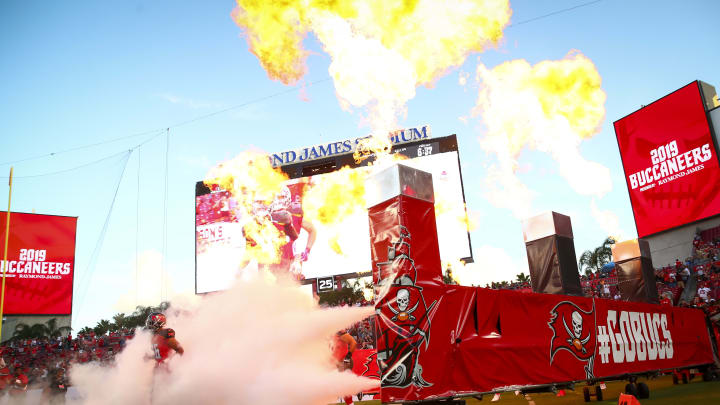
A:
[576,332]
[402,313]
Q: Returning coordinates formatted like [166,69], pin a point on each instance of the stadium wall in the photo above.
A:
[677,243]
[667,246]
[10,322]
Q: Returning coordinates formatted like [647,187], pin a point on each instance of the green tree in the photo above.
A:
[52,330]
[85,331]
[25,331]
[593,260]
[102,327]
[120,321]
[39,330]
[448,276]
[523,278]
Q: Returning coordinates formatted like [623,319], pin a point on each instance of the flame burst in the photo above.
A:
[381,50]
[250,178]
[551,106]
[338,195]
[448,211]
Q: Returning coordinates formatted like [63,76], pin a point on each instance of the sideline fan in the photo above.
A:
[163,338]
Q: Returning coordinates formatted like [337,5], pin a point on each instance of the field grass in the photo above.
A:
[662,392]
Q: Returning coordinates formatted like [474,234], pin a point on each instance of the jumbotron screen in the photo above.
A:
[40,264]
[340,249]
[670,162]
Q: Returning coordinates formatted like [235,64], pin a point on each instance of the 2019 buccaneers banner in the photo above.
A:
[671,165]
[436,340]
[40,264]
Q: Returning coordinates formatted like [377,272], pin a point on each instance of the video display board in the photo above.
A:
[670,162]
[340,249]
[40,264]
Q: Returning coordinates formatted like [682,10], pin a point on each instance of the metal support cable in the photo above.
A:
[137,229]
[89,273]
[163,270]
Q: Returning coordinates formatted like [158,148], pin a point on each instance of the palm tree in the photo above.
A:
[593,260]
[25,331]
[448,276]
[523,278]
[102,327]
[86,330]
[120,321]
[39,330]
[53,331]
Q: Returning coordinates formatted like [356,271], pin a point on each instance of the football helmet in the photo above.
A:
[282,200]
[260,209]
[155,321]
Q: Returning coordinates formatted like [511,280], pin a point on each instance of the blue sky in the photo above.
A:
[78,73]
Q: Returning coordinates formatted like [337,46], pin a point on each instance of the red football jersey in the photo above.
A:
[339,348]
[160,347]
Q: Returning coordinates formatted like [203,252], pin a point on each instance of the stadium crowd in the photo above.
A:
[42,363]
[700,271]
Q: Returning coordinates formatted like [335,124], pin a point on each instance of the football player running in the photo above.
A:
[344,346]
[163,339]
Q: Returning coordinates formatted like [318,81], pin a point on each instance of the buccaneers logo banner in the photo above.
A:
[573,331]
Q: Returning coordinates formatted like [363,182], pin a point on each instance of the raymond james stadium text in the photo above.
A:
[669,164]
[347,146]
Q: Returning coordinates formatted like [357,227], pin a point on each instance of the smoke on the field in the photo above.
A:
[262,341]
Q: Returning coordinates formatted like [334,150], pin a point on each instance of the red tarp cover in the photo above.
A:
[436,340]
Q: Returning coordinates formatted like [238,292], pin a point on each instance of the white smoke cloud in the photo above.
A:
[262,341]
[504,189]
[152,277]
[492,264]
[608,222]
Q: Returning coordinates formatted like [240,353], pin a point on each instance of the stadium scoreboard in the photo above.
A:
[219,239]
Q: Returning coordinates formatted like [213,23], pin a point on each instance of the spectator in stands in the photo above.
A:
[703,293]
[685,275]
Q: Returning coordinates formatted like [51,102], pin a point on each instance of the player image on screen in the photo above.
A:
[310,241]
[285,213]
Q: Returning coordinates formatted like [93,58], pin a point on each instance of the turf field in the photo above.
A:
[662,392]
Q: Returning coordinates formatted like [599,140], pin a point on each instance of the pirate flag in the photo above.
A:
[573,331]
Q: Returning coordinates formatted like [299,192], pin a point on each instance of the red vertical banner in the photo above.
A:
[407,273]
[40,264]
